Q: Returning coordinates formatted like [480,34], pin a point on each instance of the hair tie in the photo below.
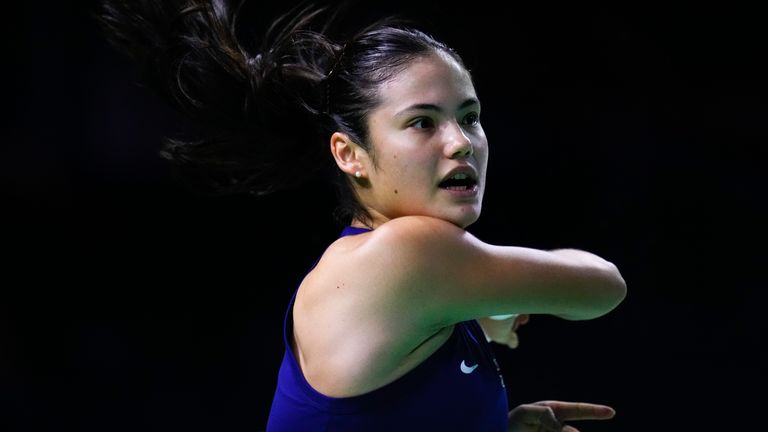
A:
[337,60]
[254,62]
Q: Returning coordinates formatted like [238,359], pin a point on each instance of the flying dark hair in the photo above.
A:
[261,116]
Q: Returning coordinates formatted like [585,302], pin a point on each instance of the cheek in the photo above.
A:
[481,153]
[481,147]
[409,169]
[408,165]
[399,172]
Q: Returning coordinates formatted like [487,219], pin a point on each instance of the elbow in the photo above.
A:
[614,289]
[607,289]
[616,298]
[619,284]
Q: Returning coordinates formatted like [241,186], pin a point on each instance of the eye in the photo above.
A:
[471,119]
[422,123]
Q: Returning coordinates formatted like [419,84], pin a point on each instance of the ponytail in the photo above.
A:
[256,114]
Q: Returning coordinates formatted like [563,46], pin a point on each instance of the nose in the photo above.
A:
[459,146]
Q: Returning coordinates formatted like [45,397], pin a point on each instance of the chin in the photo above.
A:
[466,217]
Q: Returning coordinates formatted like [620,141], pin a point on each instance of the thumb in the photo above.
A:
[534,417]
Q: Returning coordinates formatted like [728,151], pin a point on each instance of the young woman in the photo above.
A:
[388,330]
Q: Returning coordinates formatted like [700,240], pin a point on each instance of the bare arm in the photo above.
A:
[449,275]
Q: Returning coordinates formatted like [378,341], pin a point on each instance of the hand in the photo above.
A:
[503,332]
[550,416]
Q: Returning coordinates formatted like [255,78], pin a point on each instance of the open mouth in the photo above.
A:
[458,182]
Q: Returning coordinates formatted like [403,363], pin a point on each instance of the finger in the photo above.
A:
[579,410]
[539,416]
[549,421]
[512,340]
[520,320]
[569,429]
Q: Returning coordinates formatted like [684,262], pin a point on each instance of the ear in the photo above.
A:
[349,155]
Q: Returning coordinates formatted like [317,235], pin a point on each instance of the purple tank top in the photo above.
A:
[458,388]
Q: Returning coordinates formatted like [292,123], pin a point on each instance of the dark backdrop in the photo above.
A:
[130,303]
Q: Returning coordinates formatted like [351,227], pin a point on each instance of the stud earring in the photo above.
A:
[358,174]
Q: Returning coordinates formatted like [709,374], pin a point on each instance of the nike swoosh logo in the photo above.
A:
[467,369]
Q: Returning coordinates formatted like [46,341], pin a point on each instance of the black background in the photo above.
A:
[130,303]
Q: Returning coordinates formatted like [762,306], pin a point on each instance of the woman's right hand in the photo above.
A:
[550,416]
[503,331]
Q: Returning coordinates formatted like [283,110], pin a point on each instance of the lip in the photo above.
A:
[469,170]
[466,193]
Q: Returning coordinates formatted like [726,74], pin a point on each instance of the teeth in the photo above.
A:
[459,176]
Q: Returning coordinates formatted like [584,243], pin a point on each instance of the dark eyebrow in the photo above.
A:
[432,107]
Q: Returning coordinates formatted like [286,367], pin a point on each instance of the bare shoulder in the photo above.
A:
[380,271]
[415,238]
[387,257]
[410,228]
[371,277]
[420,225]
[397,246]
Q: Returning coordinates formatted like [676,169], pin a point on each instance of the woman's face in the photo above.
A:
[430,152]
